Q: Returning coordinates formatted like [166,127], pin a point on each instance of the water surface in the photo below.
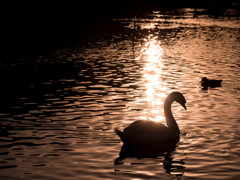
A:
[123,76]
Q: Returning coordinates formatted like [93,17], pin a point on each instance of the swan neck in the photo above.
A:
[171,122]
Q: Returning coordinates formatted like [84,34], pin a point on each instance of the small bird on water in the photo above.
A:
[205,83]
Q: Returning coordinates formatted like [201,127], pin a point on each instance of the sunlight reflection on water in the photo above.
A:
[151,55]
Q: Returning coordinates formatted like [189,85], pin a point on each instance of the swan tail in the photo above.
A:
[124,137]
[119,133]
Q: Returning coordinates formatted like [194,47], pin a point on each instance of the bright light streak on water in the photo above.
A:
[152,72]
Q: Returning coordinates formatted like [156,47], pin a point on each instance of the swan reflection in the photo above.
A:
[168,162]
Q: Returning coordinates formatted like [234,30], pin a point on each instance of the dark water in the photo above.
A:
[68,132]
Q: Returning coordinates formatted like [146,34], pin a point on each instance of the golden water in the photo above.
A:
[69,134]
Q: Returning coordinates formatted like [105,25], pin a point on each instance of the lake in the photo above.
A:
[63,128]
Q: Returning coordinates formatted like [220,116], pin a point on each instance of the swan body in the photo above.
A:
[151,132]
[210,82]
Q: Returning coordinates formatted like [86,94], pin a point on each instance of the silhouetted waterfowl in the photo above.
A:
[210,83]
[149,132]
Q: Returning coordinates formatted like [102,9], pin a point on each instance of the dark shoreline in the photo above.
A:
[29,29]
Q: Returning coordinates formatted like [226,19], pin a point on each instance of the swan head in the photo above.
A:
[178,97]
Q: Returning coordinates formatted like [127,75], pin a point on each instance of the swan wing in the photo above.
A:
[139,128]
[142,132]
[145,132]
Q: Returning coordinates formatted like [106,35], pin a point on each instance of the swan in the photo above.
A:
[210,82]
[143,132]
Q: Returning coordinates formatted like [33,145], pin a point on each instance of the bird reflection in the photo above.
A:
[146,151]
[162,150]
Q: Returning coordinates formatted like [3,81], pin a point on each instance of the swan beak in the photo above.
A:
[184,106]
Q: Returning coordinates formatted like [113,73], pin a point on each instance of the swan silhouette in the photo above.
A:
[144,132]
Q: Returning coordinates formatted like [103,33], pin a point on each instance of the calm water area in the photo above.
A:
[123,74]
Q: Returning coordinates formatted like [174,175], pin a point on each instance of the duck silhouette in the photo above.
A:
[205,83]
[151,133]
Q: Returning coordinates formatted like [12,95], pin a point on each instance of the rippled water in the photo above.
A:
[68,133]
